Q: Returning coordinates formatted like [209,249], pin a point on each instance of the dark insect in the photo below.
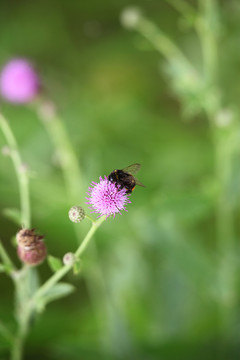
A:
[125,178]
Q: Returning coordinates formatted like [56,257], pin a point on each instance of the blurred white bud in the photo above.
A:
[69,259]
[130,16]
[224,118]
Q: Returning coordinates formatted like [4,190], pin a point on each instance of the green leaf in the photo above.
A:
[54,263]
[13,215]
[77,267]
[56,292]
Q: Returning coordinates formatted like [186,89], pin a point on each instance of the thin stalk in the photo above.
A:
[21,285]
[22,176]
[65,152]
[183,7]
[162,43]
[207,28]
[64,270]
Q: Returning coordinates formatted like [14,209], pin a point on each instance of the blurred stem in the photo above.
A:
[207,27]
[20,172]
[65,152]
[63,271]
[23,313]
[183,7]
[162,43]
[21,282]
[207,30]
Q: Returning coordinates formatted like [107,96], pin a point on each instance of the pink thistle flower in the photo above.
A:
[19,82]
[106,198]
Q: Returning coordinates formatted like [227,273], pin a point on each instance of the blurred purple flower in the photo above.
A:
[106,198]
[19,82]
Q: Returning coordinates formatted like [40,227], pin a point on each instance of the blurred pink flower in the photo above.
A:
[19,82]
[106,198]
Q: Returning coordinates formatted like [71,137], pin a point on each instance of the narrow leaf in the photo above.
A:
[13,215]
[54,263]
[56,292]
[77,267]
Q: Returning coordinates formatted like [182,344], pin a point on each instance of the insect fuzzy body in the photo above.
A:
[125,179]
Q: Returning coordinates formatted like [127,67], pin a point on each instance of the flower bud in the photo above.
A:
[130,17]
[76,214]
[31,248]
[33,256]
[19,82]
[69,259]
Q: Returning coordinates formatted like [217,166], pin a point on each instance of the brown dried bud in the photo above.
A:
[31,249]
[27,238]
[33,256]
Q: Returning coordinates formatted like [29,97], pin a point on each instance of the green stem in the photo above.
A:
[207,27]
[183,7]
[18,344]
[162,43]
[63,271]
[65,152]
[5,258]
[21,285]
[21,174]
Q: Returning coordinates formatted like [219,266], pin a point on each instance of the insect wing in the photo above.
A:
[132,169]
[139,183]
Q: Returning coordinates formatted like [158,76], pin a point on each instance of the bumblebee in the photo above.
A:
[125,178]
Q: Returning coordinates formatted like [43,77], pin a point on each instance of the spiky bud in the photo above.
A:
[76,214]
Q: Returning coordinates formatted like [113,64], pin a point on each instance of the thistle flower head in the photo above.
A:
[19,82]
[106,198]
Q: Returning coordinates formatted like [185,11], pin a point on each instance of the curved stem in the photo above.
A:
[21,282]
[20,172]
[66,155]
[64,270]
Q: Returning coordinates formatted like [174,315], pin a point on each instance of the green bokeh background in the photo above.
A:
[148,287]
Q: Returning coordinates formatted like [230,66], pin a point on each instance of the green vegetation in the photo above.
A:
[161,281]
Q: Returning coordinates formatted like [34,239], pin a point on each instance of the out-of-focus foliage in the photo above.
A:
[149,286]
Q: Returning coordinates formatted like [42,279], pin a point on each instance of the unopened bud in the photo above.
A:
[76,214]
[31,248]
[69,259]
[33,256]
[130,17]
